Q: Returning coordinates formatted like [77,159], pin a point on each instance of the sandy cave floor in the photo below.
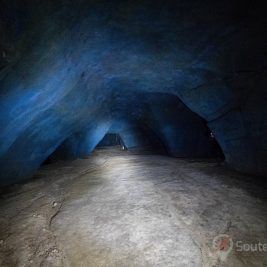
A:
[119,208]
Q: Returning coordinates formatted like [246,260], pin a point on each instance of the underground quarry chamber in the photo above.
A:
[133,133]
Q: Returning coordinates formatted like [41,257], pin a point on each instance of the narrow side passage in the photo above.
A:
[118,208]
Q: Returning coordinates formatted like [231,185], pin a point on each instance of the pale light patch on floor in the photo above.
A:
[123,209]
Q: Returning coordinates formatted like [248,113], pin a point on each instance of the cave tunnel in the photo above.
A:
[133,133]
[111,139]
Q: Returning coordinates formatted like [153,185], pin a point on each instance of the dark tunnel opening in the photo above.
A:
[155,147]
[217,150]
[112,139]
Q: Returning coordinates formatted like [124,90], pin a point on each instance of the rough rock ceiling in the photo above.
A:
[77,68]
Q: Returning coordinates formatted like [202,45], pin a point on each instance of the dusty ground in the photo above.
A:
[122,209]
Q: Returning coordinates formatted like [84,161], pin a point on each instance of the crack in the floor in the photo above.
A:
[60,204]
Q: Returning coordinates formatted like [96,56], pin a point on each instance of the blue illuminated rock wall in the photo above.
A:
[155,120]
[69,69]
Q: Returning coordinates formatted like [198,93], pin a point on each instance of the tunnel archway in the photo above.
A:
[111,139]
[181,84]
[52,89]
